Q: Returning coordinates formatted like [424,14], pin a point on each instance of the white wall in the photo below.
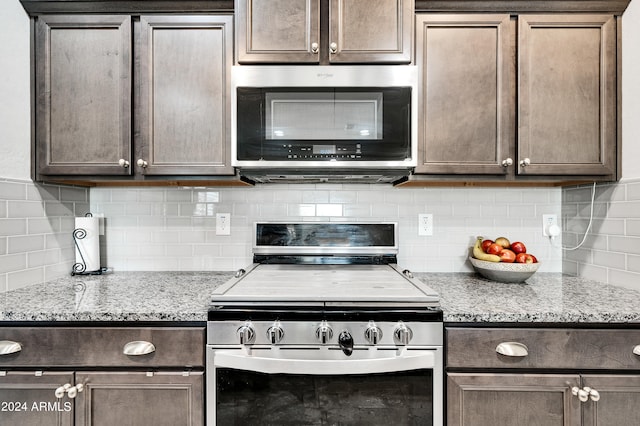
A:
[15,118]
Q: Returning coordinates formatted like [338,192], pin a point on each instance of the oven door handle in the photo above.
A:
[403,362]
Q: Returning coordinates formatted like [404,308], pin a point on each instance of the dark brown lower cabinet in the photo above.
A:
[140,398]
[543,376]
[27,398]
[484,399]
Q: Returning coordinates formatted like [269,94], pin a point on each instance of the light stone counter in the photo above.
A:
[184,296]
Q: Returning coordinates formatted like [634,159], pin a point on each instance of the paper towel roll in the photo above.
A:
[90,244]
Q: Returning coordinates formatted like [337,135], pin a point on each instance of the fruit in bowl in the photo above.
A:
[511,264]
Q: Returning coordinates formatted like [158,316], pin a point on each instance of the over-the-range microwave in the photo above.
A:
[325,123]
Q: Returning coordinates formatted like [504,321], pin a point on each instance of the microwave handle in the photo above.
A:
[241,361]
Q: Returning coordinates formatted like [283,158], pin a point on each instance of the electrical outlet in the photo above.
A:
[223,223]
[548,220]
[425,224]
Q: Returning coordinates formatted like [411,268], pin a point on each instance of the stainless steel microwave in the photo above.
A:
[337,121]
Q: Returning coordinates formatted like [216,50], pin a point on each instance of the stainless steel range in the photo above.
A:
[324,329]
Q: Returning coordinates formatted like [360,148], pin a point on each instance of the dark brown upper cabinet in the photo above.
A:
[307,31]
[567,99]
[182,83]
[465,103]
[83,95]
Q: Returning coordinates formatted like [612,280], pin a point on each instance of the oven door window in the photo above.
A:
[250,398]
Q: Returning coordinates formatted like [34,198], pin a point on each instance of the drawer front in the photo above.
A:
[103,347]
[543,348]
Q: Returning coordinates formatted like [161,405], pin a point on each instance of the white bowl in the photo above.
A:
[504,272]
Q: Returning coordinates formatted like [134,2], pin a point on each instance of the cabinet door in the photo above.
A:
[277,31]
[83,95]
[512,399]
[618,403]
[138,398]
[27,398]
[183,107]
[466,107]
[567,95]
[370,30]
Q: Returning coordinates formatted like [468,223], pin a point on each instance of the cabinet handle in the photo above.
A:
[513,349]
[59,393]
[314,48]
[525,162]
[123,163]
[636,350]
[333,47]
[138,347]
[593,394]
[73,391]
[582,394]
[507,162]
[8,347]
[142,163]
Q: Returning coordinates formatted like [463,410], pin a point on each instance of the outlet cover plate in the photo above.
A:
[425,224]
[547,221]
[223,223]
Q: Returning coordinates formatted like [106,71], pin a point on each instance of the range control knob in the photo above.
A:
[402,334]
[275,333]
[373,333]
[324,333]
[246,333]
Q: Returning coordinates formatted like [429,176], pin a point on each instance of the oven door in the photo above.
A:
[322,386]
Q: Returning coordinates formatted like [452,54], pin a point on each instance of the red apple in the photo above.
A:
[518,247]
[494,248]
[524,258]
[507,256]
[486,244]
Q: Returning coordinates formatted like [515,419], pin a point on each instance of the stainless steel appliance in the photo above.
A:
[324,123]
[322,329]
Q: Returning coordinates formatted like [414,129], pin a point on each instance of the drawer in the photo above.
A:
[104,346]
[546,348]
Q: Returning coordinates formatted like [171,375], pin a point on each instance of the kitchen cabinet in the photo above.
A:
[83,94]
[542,376]
[27,398]
[465,107]
[308,31]
[567,95]
[181,79]
[182,83]
[559,120]
[154,375]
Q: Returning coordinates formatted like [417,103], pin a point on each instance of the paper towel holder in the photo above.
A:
[80,268]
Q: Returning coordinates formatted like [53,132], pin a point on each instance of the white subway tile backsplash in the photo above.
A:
[13,262]
[25,243]
[12,191]
[614,239]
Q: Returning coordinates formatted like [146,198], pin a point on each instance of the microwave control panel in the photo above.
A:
[320,152]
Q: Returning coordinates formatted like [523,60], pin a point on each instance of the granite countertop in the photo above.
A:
[184,296]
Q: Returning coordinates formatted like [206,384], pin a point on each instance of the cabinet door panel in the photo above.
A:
[465,114]
[277,30]
[184,103]
[371,30]
[27,399]
[619,400]
[567,94]
[137,398]
[509,399]
[83,94]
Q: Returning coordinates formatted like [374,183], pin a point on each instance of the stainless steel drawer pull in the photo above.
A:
[139,347]
[8,347]
[636,350]
[512,349]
